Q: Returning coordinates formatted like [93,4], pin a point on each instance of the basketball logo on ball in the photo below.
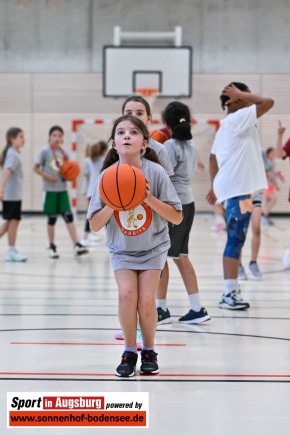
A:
[122,187]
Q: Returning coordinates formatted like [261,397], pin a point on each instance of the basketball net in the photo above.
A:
[150,95]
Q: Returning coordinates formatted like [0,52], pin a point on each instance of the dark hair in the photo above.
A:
[241,86]
[138,99]
[97,149]
[269,150]
[55,128]
[12,133]
[177,117]
[112,155]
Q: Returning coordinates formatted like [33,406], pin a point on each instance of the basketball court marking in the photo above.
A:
[228,334]
[231,359]
[210,378]
[121,343]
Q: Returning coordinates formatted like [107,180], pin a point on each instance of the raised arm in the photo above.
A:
[279,151]
[263,104]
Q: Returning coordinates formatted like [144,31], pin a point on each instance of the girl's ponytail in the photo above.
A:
[111,157]
[177,117]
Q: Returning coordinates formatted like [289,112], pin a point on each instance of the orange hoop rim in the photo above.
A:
[147,92]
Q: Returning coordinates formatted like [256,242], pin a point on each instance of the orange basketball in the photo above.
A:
[122,187]
[69,170]
[158,135]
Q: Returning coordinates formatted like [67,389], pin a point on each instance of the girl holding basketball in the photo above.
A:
[137,256]
[183,158]
[136,105]
[11,186]
[56,200]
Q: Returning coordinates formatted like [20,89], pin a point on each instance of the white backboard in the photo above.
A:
[127,68]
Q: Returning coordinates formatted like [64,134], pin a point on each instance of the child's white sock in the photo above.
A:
[161,303]
[194,302]
[230,286]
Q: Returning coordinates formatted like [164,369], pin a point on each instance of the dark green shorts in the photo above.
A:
[56,203]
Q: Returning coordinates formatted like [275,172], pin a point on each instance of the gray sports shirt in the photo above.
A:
[137,237]
[13,189]
[47,161]
[183,158]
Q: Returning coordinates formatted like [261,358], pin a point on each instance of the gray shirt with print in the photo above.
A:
[13,189]
[129,238]
[47,161]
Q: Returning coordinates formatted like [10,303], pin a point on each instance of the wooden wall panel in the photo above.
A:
[35,102]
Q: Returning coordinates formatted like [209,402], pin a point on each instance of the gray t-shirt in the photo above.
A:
[183,159]
[13,189]
[162,155]
[138,236]
[47,161]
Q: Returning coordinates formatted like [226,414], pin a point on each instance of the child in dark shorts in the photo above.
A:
[183,158]
[11,190]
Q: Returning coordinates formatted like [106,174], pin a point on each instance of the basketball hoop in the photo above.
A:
[150,94]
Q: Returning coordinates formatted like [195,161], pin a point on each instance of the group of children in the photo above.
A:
[140,261]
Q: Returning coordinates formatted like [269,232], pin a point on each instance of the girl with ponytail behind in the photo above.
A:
[11,190]
[183,157]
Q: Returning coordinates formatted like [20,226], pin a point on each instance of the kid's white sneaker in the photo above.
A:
[14,256]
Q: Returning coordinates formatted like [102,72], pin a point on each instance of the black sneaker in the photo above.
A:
[127,368]
[53,251]
[80,249]
[149,365]
[163,316]
[195,316]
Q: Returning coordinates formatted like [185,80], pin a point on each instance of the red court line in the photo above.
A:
[192,375]
[121,343]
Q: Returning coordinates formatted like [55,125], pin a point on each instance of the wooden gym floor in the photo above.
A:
[227,376]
